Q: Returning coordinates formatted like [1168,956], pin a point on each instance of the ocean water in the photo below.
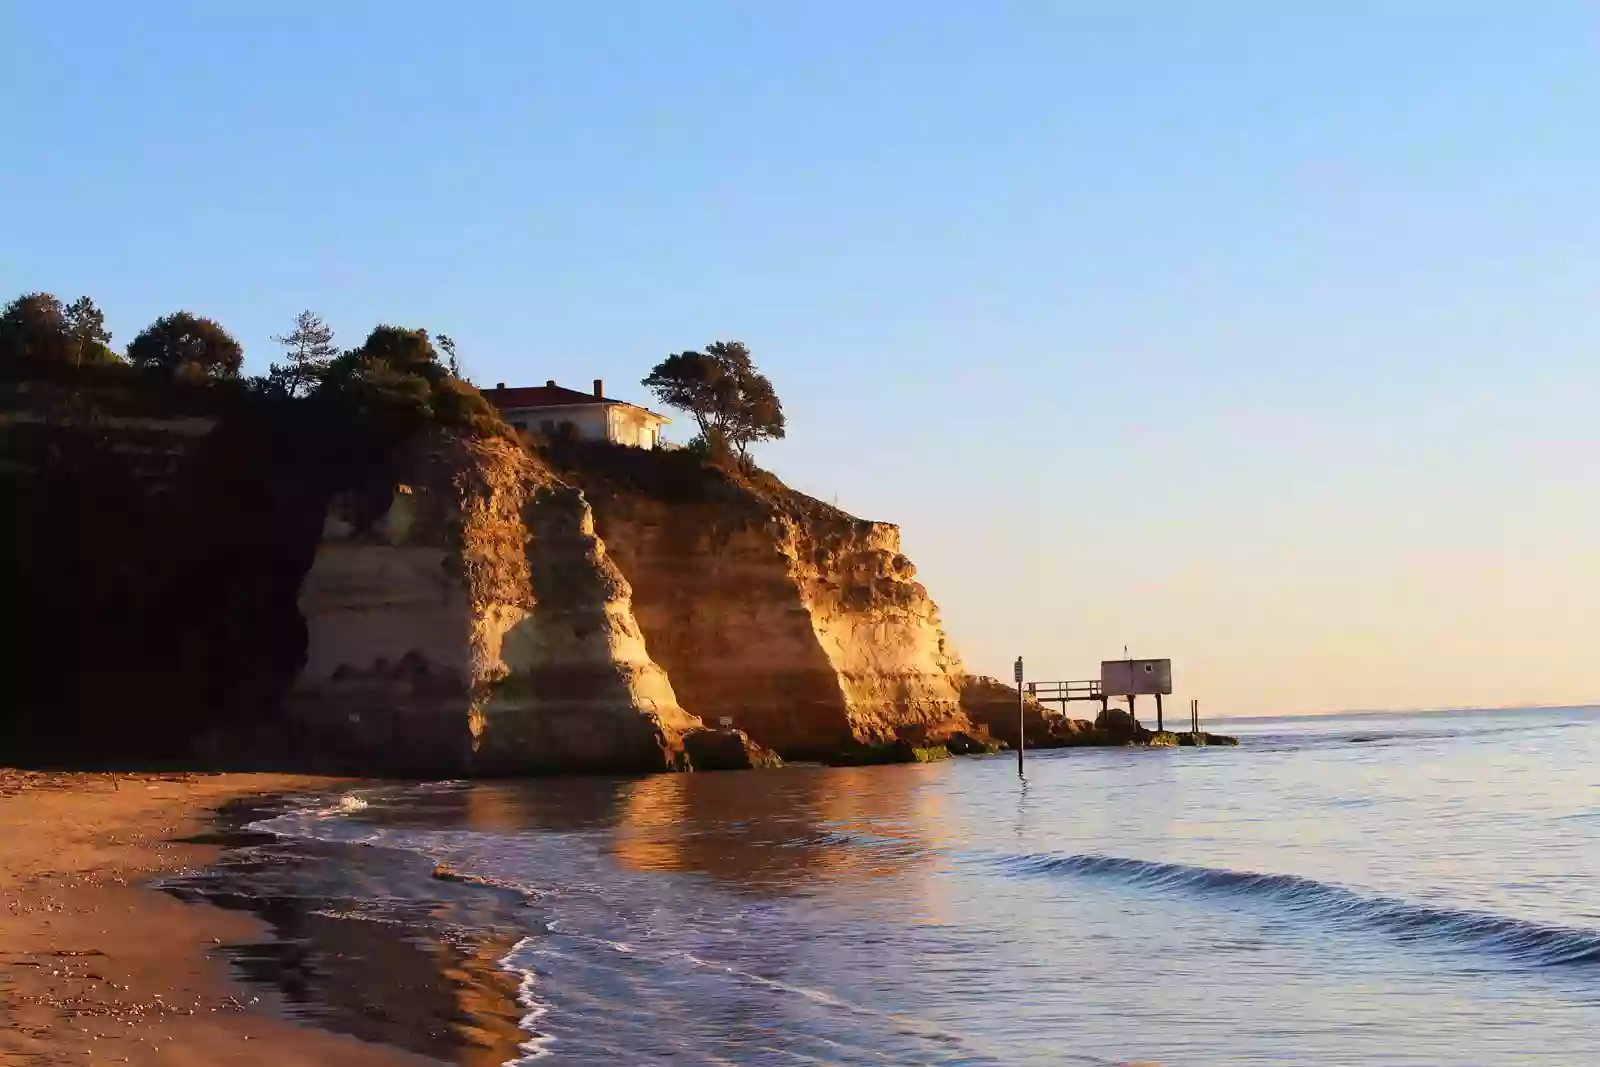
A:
[1378,889]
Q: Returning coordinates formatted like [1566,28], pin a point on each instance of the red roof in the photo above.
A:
[551,395]
[542,396]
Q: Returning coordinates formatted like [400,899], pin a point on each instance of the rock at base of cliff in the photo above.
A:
[1117,727]
[961,743]
[892,752]
[991,705]
[726,750]
[1121,726]
[1202,739]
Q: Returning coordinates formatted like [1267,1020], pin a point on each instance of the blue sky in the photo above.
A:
[1263,336]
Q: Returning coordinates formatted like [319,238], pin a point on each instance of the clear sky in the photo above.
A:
[1263,336]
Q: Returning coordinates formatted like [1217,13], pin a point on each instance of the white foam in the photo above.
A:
[538,1045]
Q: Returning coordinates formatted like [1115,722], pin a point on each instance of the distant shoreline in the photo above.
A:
[1403,711]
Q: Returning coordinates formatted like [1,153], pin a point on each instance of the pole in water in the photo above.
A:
[1022,718]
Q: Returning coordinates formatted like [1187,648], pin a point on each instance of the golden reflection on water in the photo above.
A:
[801,829]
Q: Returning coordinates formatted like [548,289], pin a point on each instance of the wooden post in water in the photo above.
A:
[1022,717]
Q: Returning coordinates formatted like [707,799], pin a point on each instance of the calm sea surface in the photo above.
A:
[1396,890]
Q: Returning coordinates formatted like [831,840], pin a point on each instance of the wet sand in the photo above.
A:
[98,967]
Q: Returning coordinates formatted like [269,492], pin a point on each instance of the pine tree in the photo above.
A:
[311,350]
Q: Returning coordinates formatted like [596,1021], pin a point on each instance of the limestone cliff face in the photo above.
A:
[803,625]
[467,618]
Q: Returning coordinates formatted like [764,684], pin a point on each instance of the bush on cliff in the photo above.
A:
[187,347]
[394,386]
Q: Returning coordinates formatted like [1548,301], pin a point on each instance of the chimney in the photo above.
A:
[550,383]
[599,389]
[498,386]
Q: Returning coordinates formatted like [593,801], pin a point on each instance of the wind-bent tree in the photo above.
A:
[447,345]
[310,352]
[733,404]
[185,345]
[37,329]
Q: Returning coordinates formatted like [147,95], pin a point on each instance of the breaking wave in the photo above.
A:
[1527,942]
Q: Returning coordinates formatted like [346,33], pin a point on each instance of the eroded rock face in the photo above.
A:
[467,620]
[495,613]
[800,625]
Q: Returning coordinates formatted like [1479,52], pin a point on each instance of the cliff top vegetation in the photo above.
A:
[732,403]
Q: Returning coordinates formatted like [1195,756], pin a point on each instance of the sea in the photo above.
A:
[1405,890]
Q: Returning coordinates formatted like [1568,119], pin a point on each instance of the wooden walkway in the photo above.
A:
[1065,693]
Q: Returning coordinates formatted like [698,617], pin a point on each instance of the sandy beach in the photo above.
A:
[98,967]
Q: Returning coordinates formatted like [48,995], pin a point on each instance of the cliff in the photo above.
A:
[801,624]
[467,619]
[212,574]
[153,540]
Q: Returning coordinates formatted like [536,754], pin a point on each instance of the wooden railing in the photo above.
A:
[1065,691]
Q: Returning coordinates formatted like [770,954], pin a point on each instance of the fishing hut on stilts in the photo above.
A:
[1125,678]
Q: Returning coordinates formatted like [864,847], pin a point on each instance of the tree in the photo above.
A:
[183,345]
[86,329]
[405,350]
[33,330]
[311,352]
[36,329]
[732,403]
[452,364]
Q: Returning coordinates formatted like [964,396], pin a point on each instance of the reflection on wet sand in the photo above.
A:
[408,988]
[420,971]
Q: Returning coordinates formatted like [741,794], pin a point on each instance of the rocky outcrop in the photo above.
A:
[727,750]
[467,619]
[796,623]
[992,705]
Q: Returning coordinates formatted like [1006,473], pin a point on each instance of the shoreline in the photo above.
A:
[101,966]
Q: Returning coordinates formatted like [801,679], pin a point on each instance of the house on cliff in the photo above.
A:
[553,409]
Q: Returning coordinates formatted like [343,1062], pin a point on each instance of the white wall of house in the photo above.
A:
[619,423]
[634,426]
